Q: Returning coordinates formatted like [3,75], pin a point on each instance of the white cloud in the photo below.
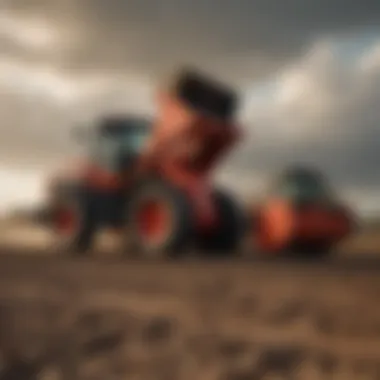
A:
[30,33]
[46,82]
[19,188]
[305,93]
[29,80]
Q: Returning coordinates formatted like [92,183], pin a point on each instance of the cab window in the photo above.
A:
[303,188]
[122,138]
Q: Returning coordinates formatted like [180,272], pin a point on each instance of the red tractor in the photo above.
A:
[301,215]
[152,179]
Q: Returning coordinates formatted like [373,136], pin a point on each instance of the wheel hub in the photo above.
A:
[153,221]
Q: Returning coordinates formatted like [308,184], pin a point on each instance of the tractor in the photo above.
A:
[151,178]
[301,215]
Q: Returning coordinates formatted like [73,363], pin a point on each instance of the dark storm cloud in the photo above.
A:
[241,40]
[237,38]
[348,164]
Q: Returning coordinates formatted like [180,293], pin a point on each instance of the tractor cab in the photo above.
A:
[117,142]
[301,215]
[303,187]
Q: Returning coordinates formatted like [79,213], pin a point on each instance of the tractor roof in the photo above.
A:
[302,172]
[114,124]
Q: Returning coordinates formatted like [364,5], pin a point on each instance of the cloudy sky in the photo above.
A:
[308,72]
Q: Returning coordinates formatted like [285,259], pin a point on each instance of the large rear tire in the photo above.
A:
[228,235]
[160,221]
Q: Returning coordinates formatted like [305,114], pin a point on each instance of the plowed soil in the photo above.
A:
[244,320]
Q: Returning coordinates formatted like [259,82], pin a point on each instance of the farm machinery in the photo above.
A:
[301,215]
[151,179]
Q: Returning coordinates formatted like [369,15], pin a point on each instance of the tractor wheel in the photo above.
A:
[227,238]
[160,221]
[313,251]
[74,227]
[322,252]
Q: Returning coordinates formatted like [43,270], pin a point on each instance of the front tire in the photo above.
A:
[160,220]
[74,226]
